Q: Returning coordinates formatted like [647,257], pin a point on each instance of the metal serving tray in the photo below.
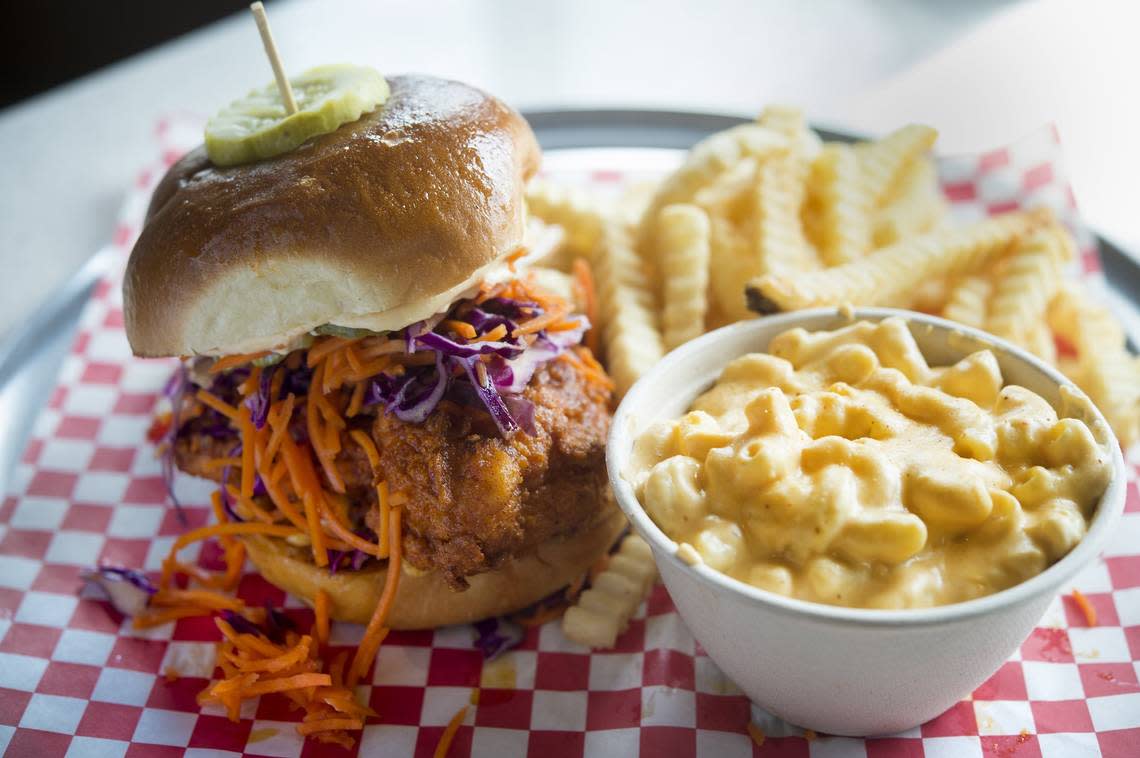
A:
[30,357]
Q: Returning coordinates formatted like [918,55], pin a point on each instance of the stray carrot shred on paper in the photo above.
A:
[1086,607]
[449,733]
[756,733]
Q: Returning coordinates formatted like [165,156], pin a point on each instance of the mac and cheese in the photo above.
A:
[841,468]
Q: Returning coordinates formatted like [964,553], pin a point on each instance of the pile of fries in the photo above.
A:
[765,218]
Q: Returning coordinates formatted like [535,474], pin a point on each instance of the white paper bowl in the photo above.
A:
[842,670]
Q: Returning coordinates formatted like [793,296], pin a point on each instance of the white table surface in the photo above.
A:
[982,72]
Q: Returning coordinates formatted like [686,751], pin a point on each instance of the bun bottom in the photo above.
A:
[424,601]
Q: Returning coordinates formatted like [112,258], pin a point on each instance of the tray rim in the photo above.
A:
[23,351]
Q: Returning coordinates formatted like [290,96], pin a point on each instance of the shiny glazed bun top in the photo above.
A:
[377,225]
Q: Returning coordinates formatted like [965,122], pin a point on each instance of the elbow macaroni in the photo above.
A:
[841,468]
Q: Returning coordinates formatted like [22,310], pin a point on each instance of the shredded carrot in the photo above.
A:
[316,436]
[342,531]
[152,618]
[462,328]
[237,359]
[448,735]
[174,598]
[809,735]
[246,388]
[280,500]
[217,530]
[279,423]
[291,657]
[325,347]
[313,503]
[370,369]
[539,323]
[357,401]
[342,701]
[248,642]
[172,674]
[250,506]
[219,405]
[757,734]
[235,561]
[286,683]
[474,699]
[1086,607]
[321,617]
[305,481]
[325,725]
[374,633]
[495,334]
[352,357]
[336,669]
[384,505]
[245,427]
[368,446]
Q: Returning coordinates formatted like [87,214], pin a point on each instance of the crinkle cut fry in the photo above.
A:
[570,208]
[627,305]
[844,205]
[884,161]
[1027,282]
[683,232]
[916,206]
[969,301]
[886,276]
[1104,370]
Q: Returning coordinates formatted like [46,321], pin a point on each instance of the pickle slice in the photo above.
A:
[257,127]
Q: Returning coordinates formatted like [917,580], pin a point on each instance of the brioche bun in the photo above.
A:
[378,224]
[423,600]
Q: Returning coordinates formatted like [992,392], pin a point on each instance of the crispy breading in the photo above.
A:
[474,498]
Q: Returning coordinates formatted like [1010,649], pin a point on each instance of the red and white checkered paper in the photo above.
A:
[76,679]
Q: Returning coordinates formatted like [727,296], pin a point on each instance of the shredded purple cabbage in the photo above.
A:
[128,590]
[277,624]
[490,397]
[258,403]
[495,636]
[449,347]
[241,624]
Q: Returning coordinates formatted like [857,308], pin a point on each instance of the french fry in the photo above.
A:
[789,121]
[1105,370]
[683,236]
[842,206]
[884,161]
[886,276]
[604,610]
[969,301]
[570,208]
[1027,282]
[779,235]
[729,196]
[733,257]
[708,159]
[916,206]
[627,307]
[634,202]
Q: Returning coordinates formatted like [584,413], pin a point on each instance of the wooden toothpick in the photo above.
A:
[258,11]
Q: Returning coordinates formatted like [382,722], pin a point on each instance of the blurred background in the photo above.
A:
[86,83]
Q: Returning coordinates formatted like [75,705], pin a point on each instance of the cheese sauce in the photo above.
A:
[840,468]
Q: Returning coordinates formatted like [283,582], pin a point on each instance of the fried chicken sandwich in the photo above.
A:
[393,411]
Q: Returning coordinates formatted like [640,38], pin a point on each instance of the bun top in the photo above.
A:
[377,225]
